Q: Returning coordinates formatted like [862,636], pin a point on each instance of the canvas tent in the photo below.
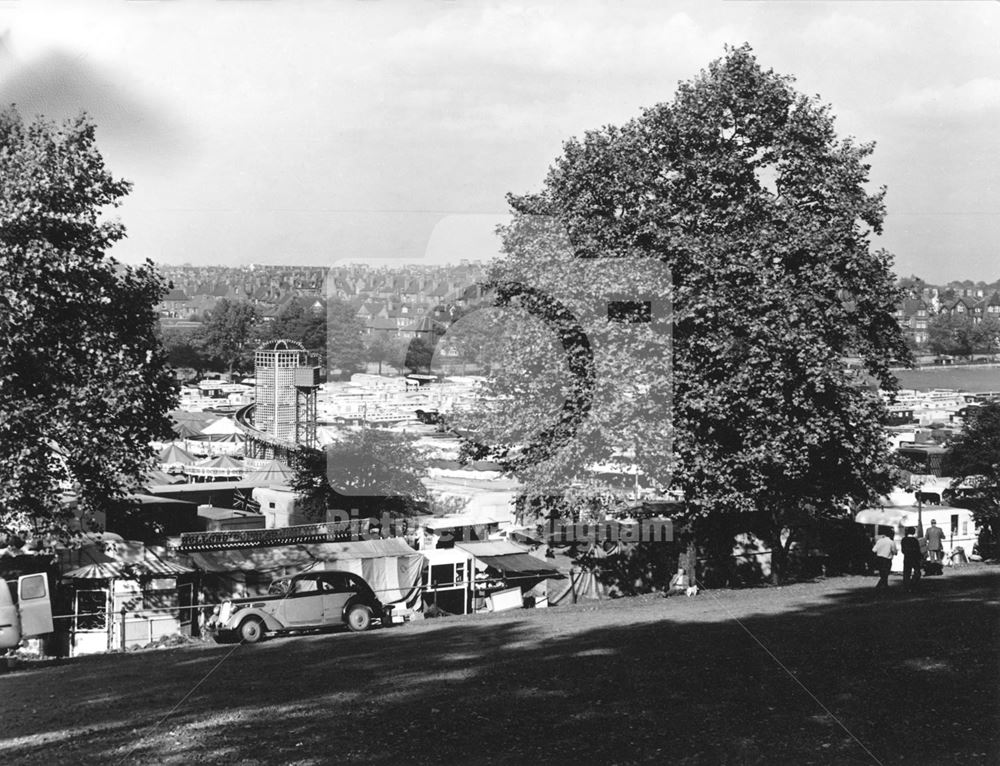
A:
[221,427]
[187,430]
[582,585]
[173,458]
[156,477]
[220,466]
[273,473]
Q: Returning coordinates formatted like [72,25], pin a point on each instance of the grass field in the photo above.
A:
[812,673]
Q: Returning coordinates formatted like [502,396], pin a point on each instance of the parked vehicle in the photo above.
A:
[29,614]
[304,602]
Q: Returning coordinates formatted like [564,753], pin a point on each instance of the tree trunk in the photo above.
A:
[692,563]
[779,557]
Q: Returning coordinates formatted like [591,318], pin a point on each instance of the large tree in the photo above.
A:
[369,471]
[381,348]
[974,463]
[345,346]
[741,189]
[960,335]
[231,333]
[302,321]
[332,331]
[83,383]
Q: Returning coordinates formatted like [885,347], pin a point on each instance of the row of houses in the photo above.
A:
[404,302]
[915,313]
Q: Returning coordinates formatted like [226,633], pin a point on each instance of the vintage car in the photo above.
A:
[306,601]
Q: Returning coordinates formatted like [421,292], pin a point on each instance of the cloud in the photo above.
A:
[977,97]
[838,31]
[59,86]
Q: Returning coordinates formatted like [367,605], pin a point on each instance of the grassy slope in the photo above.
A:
[913,676]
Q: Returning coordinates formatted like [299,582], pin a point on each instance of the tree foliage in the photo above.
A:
[185,350]
[84,386]
[974,463]
[419,355]
[960,335]
[379,349]
[231,333]
[301,321]
[371,471]
[345,348]
[382,348]
[740,188]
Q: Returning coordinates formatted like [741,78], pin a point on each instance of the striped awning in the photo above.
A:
[114,570]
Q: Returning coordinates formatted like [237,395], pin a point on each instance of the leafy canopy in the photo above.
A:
[230,332]
[371,471]
[754,220]
[83,383]
[974,462]
[960,335]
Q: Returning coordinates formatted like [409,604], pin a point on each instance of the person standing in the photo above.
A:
[884,549]
[912,557]
[935,541]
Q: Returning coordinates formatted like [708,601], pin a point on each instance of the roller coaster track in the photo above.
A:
[244,418]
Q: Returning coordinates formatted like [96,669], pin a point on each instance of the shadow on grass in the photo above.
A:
[912,676]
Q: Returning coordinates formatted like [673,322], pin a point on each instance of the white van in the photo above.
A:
[30,615]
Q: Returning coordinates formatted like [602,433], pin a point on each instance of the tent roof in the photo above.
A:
[492,548]
[117,569]
[174,454]
[221,427]
[156,476]
[274,472]
[220,461]
[186,429]
[230,438]
[520,564]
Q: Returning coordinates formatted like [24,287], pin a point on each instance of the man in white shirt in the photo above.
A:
[884,549]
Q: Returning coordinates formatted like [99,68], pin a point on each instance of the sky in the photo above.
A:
[319,132]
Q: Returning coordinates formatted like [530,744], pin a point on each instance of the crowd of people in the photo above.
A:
[918,553]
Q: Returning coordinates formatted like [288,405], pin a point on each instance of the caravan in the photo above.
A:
[25,609]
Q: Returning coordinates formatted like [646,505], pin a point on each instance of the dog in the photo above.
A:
[691,590]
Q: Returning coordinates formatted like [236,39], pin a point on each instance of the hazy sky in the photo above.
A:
[312,132]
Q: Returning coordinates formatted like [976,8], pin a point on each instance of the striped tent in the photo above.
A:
[113,570]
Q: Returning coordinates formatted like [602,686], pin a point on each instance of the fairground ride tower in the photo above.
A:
[287,380]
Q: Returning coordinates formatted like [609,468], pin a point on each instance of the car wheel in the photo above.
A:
[251,630]
[359,617]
